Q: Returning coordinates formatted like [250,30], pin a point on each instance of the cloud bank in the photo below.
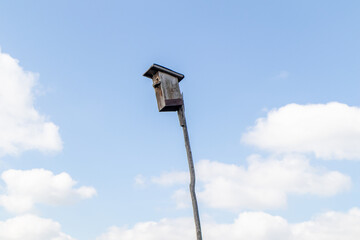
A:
[248,225]
[25,188]
[264,184]
[22,127]
[31,227]
[329,131]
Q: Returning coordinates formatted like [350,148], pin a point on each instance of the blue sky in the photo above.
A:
[272,104]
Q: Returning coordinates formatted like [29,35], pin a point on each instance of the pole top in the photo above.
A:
[158,68]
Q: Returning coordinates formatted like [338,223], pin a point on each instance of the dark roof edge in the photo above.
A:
[156,67]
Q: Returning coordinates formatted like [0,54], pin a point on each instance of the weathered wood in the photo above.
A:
[166,85]
[182,120]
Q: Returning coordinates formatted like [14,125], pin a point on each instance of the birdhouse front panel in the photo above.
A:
[167,92]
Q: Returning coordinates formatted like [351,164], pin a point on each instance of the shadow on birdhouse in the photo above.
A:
[166,85]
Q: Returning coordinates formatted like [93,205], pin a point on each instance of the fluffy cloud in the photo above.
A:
[181,197]
[264,184]
[169,229]
[248,225]
[26,188]
[31,227]
[139,180]
[282,75]
[21,126]
[330,226]
[170,178]
[330,131]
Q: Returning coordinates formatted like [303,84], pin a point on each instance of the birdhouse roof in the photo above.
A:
[156,68]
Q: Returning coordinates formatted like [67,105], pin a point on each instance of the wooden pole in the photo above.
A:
[182,120]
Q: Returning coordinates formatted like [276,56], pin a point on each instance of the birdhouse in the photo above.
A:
[166,85]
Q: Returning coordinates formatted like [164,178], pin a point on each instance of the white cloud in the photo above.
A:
[330,131]
[171,178]
[330,226]
[283,75]
[139,180]
[265,184]
[181,197]
[31,227]
[26,188]
[21,126]
[165,229]
[248,225]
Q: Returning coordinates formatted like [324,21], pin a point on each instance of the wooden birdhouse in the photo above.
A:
[166,85]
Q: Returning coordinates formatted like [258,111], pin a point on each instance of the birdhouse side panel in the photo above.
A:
[160,98]
[170,86]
